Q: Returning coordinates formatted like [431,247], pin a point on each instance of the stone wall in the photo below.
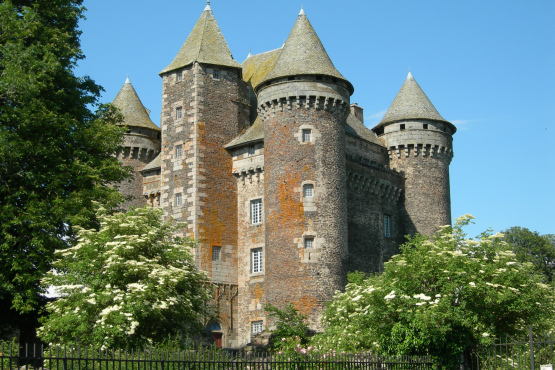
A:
[422,150]
[311,275]
[141,145]
[250,186]
[214,109]
[373,192]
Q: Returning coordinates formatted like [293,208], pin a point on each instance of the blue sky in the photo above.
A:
[487,66]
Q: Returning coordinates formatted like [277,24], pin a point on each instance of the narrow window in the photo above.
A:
[178,76]
[387,226]
[306,135]
[425,126]
[308,191]
[216,253]
[256,211]
[178,199]
[257,327]
[251,150]
[309,243]
[178,112]
[216,73]
[256,260]
[402,126]
[178,151]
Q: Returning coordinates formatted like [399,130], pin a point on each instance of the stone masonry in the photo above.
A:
[270,167]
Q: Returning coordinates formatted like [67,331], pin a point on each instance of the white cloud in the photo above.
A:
[373,119]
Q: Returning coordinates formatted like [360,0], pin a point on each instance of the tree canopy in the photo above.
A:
[56,156]
[126,285]
[530,246]
[439,296]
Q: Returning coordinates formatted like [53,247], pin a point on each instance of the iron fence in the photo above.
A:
[28,357]
[532,352]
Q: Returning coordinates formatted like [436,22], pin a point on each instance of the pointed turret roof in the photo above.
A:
[134,112]
[205,44]
[304,54]
[411,103]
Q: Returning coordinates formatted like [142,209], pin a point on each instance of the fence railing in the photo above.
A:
[27,357]
[532,352]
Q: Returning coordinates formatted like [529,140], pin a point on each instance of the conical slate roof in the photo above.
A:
[134,112]
[304,54]
[205,44]
[154,164]
[354,127]
[256,67]
[252,134]
[411,103]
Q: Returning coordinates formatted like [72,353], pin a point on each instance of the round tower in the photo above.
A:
[141,143]
[420,143]
[304,102]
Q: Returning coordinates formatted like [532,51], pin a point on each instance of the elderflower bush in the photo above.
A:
[128,284]
[439,296]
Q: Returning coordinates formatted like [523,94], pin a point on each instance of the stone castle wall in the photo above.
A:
[422,150]
[249,174]
[311,275]
[141,145]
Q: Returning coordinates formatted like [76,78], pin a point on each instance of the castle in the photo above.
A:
[273,171]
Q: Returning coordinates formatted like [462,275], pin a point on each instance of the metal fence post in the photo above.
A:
[531,349]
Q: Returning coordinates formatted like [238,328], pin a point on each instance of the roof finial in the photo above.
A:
[127,80]
[409,77]
[250,54]
[207,5]
[302,11]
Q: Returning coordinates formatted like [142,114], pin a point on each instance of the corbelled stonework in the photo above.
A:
[275,174]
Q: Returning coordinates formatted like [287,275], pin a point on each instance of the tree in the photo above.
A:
[438,297]
[56,156]
[290,326]
[530,246]
[126,285]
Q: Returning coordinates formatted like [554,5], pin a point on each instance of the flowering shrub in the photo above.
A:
[437,297]
[128,284]
[290,327]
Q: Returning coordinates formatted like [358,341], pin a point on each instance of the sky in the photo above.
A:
[488,67]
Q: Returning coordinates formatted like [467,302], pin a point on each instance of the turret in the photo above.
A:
[204,107]
[141,142]
[304,102]
[420,144]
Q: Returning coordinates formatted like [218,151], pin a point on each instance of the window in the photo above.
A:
[257,327]
[425,125]
[387,226]
[178,112]
[251,150]
[178,200]
[256,211]
[178,76]
[402,126]
[309,243]
[256,260]
[216,253]
[178,151]
[308,191]
[216,73]
[306,135]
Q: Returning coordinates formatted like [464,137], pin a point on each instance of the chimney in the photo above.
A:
[357,112]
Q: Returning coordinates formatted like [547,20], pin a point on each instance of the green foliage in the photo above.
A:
[127,285]
[56,156]
[291,328]
[438,297]
[530,246]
